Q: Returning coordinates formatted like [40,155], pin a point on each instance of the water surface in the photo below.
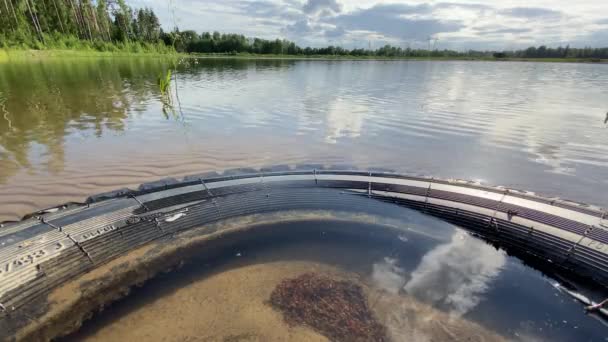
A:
[426,283]
[73,127]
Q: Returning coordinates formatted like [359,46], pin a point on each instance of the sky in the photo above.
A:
[457,24]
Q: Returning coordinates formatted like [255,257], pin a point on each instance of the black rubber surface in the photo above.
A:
[54,245]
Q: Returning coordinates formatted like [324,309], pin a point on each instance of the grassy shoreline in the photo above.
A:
[15,54]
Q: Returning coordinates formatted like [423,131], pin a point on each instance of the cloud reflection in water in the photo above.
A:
[454,275]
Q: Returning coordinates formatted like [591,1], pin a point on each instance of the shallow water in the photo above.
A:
[73,127]
[430,282]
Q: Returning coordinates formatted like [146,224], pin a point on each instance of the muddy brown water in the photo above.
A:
[72,127]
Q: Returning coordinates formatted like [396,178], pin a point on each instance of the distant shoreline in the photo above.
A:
[7,55]
[383,58]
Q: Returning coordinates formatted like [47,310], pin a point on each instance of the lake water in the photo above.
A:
[73,127]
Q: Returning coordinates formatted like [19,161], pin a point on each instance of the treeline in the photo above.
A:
[207,42]
[192,42]
[531,52]
[109,25]
[559,52]
[72,24]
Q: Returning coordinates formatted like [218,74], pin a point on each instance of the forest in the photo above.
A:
[113,25]
[103,25]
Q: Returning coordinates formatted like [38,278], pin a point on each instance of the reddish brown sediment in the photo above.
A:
[335,308]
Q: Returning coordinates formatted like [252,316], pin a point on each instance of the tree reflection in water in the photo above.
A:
[41,103]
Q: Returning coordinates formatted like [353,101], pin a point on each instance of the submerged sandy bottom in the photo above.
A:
[233,306]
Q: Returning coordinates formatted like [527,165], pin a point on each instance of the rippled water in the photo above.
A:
[73,127]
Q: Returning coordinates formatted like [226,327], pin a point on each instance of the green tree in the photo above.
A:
[103,18]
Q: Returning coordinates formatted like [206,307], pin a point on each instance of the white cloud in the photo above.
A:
[388,276]
[456,274]
[460,24]
[316,6]
[344,119]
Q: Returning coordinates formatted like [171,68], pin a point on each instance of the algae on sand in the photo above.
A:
[336,308]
